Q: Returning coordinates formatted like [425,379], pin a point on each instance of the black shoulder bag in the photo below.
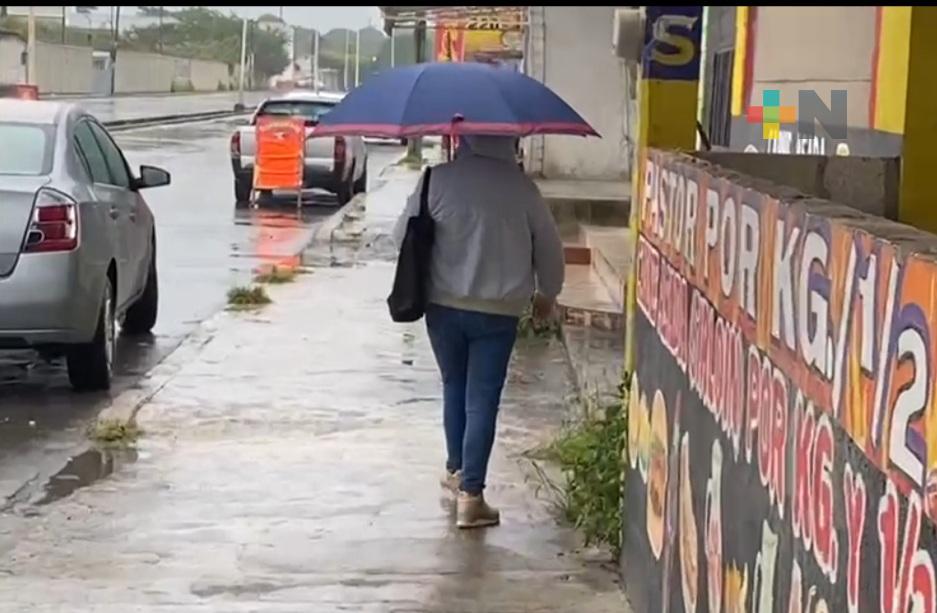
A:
[407,300]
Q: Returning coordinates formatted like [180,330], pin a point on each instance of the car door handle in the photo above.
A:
[114,212]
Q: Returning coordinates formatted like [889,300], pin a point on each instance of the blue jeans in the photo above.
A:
[473,351]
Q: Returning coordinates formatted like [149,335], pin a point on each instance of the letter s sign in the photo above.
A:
[672,42]
[685,48]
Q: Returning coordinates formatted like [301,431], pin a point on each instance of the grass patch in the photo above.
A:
[411,161]
[276,276]
[114,433]
[247,297]
[589,455]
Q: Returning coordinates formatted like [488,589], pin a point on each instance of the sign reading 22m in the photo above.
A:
[672,42]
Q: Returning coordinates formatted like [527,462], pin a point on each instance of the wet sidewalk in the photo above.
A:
[290,463]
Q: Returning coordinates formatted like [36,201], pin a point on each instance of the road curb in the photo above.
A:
[67,97]
[326,232]
[124,408]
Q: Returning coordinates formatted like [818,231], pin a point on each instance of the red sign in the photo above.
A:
[450,44]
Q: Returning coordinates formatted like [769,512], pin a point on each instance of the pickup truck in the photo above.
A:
[336,164]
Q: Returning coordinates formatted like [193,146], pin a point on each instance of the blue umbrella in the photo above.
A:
[451,98]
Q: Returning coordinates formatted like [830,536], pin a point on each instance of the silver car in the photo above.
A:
[77,240]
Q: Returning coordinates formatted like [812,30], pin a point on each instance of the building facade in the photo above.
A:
[568,49]
[859,50]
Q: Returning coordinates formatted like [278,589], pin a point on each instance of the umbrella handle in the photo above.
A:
[453,134]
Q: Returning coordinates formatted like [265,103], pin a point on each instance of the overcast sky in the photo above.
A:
[320,17]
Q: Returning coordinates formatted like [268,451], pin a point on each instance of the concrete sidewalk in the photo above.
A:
[290,463]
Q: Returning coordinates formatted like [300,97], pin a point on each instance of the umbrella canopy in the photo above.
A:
[451,98]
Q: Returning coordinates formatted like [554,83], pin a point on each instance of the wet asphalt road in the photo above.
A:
[206,245]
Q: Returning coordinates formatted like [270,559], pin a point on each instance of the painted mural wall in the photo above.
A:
[782,437]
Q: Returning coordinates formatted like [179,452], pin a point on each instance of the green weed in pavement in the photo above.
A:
[276,276]
[589,453]
[411,161]
[247,297]
[114,432]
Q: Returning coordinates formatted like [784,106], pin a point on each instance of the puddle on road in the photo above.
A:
[84,470]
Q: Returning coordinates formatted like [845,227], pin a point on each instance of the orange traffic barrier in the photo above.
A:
[280,147]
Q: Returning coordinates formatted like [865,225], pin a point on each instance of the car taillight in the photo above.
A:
[236,143]
[54,226]
[23,92]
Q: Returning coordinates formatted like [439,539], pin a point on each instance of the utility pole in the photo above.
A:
[31,48]
[415,145]
[292,31]
[315,61]
[420,40]
[357,57]
[114,50]
[240,104]
[159,31]
[64,23]
[345,77]
[251,27]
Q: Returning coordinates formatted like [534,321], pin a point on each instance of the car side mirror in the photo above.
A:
[151,176]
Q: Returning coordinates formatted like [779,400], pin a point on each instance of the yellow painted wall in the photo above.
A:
[738,69]
[919,156]
[892,69]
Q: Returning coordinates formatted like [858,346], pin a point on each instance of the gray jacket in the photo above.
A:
[496,241]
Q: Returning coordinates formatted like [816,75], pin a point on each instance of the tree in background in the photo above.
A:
[332,48]
[208,34]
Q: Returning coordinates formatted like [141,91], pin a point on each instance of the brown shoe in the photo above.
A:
[474,512]
[451,481]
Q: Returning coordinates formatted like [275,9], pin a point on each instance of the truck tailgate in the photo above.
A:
[320,151]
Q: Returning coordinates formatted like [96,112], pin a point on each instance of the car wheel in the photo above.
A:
[141,316]
[361,185]
[242,189]
[90,364]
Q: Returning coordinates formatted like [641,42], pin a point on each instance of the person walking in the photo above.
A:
[496,249]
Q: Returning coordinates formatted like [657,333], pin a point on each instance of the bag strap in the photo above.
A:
[424,194]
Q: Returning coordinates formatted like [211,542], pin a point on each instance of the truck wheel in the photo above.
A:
[346,190]
[90,365]
[141,316]
[242,190]
[361,185]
